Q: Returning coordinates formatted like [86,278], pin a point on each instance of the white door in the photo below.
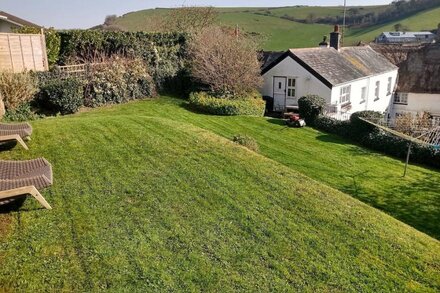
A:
[279,93]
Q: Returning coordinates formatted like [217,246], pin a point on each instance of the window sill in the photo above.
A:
[396,103]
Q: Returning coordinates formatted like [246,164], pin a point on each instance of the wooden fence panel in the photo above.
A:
[22,52]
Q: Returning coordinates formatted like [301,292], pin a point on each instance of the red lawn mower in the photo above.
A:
[294,120]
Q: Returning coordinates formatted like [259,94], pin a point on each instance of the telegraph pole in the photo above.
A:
[343,23]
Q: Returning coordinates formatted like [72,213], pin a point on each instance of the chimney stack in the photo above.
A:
[335,38]
[324,43]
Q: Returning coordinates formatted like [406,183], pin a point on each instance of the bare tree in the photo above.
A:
[110,23]
[110,19]
[190,19]
[226,61]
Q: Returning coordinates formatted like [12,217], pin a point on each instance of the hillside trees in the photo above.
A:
[190,19]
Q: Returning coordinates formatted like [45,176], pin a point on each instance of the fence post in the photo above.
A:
[10,54]
[43,45]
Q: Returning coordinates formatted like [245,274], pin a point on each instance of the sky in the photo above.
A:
[66,14]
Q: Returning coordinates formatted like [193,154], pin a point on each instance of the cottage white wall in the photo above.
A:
[306,83]
[418,103]
[381,105]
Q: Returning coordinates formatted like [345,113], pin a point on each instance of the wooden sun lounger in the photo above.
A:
[23,129]
[15,131]
[12,137]
[22,178]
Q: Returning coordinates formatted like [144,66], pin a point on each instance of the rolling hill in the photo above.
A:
[278,31]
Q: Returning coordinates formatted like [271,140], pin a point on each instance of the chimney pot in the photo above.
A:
[324,43]
[335,38]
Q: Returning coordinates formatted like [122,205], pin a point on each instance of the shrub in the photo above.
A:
[63,95]
[251,106]
[331,125]
[247,142]
[225,62]
[17,88]
[310,107]
[164,53]
[118,80]
[21,113]
[359,127]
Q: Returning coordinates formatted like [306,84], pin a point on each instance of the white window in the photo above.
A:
[377,91]
[345,94]
[435,120]
[401,98]
[390,82]
[363,94]
[291,87]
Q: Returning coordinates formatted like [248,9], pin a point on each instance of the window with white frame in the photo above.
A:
[390,83]
[377,91]
[363,95]
[435,120]
[345,93]
[291,87]
[401,98]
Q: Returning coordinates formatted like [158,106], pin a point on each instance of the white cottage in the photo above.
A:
[350,79]
[418,88]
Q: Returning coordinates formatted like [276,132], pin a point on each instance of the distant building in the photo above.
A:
[9,22]
[406,37]
[350,79]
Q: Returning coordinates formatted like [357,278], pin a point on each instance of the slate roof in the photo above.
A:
[420,73]
[16,20]
[334,67]
[267,57]
[393,35]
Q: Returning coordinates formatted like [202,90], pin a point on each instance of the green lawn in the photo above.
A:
[145,199]
[373,178]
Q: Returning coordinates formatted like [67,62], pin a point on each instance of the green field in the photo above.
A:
[150,196]
[277,33]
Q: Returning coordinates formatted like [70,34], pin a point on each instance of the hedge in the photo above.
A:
[62,95]
[366,134]
[250,106]
[310,107]
[377,139]
[164,52]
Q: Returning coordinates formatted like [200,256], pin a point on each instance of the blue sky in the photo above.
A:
[87,13]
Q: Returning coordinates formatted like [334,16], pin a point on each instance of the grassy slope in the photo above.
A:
[277,33]
[280,34]
[368,176]
[426,20]
[150,203]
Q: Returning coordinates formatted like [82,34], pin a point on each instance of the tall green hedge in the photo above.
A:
[163,52]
